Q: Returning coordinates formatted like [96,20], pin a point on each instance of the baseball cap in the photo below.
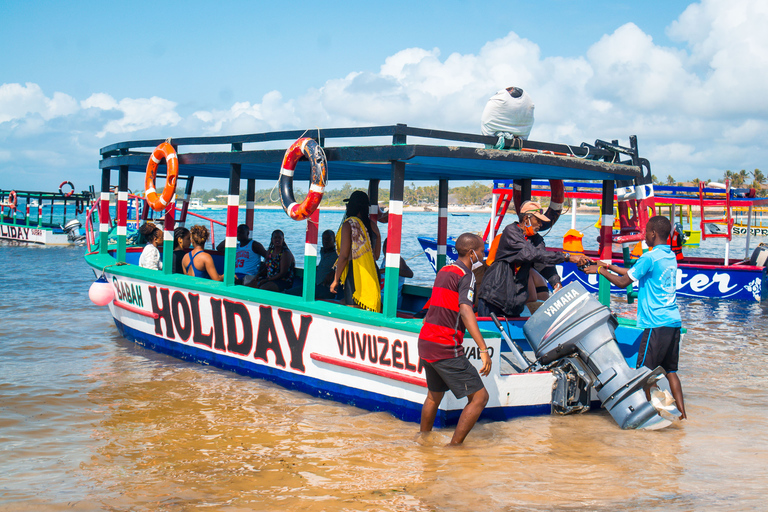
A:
[534,208]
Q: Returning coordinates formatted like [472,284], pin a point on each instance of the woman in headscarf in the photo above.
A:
[359,244]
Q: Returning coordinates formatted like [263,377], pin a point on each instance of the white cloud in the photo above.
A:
[697,109]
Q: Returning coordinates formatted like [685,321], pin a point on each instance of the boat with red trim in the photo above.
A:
[44,218]
[365,358]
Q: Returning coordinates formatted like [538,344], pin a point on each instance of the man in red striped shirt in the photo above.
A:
[441,337]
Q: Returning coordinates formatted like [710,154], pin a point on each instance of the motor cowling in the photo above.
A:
[573,327]
[72,229]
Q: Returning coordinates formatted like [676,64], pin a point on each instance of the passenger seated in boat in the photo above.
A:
[197,262]
[276,274]
[405,272]
[181,243]
[247,256]
[325,272]
[507,114]
[358,242]
[505,287]
[150,256]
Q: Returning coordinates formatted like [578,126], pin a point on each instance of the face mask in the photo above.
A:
[476,265]
[528,228]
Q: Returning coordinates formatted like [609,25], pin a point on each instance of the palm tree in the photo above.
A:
[670,180]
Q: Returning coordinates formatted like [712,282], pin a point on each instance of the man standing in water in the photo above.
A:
[442,335]
[657,312]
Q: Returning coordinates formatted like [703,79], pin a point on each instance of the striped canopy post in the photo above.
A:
[185,201]
[250,196]
[233,207]
[310,256]
[606,241]
[104,212]
[168,226]
[394,226]
[122,212]
[442,223]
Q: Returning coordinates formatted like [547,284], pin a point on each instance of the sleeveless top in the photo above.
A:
[247,262]
[198,273]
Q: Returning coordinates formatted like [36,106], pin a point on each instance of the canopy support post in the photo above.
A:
[442,223]
[185,203]
[394,227]
[250,195]
[233,206]
[122,212]
[606,240]
[103,212]
[310,256]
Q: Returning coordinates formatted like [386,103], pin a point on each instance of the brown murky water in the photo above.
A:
[89,421]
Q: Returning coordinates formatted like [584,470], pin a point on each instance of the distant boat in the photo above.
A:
[460,214]
[196,204]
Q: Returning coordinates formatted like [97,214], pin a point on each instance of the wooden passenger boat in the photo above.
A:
[368,359]
[43,218]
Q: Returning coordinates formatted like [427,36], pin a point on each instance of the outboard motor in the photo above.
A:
[759,255]
[72,229]
[572,334]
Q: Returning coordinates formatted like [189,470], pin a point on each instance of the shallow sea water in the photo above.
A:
[90,421]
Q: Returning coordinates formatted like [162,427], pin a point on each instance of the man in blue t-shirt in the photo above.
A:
[656,275]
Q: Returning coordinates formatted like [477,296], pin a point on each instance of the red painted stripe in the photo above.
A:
[442,230]
[394,226]
[136,310]
[312,222]
[249,217]
[606,239]
[232,221]
[368,369]
[122,212]
[104,211]
[170,217]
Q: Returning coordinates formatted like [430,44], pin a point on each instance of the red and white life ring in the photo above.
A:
[163,151]
[71,186]
[556,199]
[312,151]
[11,200]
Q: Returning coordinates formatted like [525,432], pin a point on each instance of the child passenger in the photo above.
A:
[150,256]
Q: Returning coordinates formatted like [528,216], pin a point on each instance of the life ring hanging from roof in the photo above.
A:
[312,151]
[556,200]
[71,186]
[12,201]
[164,151]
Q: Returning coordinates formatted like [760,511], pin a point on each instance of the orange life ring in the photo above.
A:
[304,147]
[556,200]
[67,194]
[163,151]
[11,200]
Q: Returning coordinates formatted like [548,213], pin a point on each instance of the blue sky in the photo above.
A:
[687,77]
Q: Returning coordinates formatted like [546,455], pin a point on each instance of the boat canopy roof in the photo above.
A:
[427,155]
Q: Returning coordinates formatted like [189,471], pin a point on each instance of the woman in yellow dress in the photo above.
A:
[359,244]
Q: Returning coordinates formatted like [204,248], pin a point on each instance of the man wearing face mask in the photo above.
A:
[504,290]
[441,337]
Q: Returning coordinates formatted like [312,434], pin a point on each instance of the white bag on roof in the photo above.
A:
[506,115]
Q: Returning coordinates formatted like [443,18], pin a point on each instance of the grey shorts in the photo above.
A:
[456,374]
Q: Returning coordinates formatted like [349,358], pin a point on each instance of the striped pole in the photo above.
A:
[168,227]
[373,197]
[394,228]
[310,256]
[104,212]
[233,205]
[40,211]
[122,212]
[442,223]
[606,240]
[250,195]
[185,202]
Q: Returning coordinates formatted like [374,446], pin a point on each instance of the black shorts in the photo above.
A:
[659,346]
[456,374]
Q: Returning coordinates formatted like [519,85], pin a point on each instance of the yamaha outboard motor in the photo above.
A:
[72,229]
[572,334]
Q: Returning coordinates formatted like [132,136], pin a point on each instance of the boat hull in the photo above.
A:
[32,235]
[735,282]
[359,363]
